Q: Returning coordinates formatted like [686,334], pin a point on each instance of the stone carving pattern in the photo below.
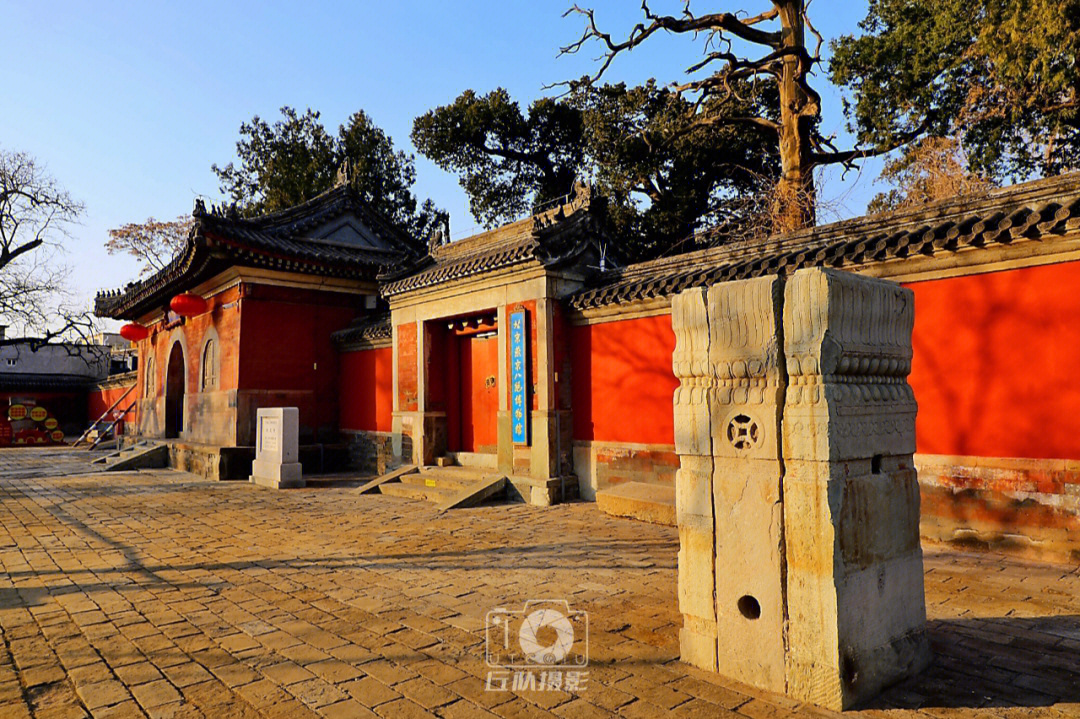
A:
[744,357]
[848,354]
[690,363]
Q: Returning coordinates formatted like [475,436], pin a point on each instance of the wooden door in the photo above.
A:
[479,394]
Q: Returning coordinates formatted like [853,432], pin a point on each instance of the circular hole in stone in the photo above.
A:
[849,673]
[749,607]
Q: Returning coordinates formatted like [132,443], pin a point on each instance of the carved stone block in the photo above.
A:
[847,344]
[693,480]
[690,362]
[797,500]
[745,357]
[856,612]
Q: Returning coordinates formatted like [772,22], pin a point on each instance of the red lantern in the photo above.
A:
[134,332]
[188,304]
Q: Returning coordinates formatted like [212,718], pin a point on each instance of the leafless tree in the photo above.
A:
[785,64]
[35,213]
[153,243]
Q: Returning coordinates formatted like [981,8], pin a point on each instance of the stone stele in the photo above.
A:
[277,448]
[800,569]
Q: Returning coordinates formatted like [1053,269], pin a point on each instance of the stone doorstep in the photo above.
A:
[651,503]
[475,494]
[474,459]
[440,484]
[138,457]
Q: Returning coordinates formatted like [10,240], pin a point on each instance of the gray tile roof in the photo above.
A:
[1034,211]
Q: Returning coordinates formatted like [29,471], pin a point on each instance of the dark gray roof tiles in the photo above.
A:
[1035,211]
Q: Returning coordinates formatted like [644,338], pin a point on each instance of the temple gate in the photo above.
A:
[800,569]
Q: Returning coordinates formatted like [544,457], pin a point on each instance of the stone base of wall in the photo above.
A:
[370,451]
[227,463]
[1025,506]
[599,465]
[211,462]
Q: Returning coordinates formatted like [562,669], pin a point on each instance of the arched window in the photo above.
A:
[150,379]
[210,365]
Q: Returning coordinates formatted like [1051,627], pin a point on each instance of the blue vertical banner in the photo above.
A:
[519,394]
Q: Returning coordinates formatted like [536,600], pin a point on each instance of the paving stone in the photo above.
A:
[102,694]
[218,600]
[370,691]
[155,694]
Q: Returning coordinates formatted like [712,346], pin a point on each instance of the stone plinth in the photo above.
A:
[693,480]
[856,610]
[744,352]
[277,448]
[798,508]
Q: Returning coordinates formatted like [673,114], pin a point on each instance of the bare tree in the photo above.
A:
[35,212]
[723,75]
[935,168]
[153,243]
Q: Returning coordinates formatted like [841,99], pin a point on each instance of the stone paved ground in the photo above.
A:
[158,594]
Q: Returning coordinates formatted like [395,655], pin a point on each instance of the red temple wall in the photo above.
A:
[621,389]
[995,363]
[623,382]
[366,390]
[99,400]
[408,369]
[287,356]
[995,374]
[224,320]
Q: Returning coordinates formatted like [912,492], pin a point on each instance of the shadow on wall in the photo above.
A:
[995,662]
[994,368]
[623,382]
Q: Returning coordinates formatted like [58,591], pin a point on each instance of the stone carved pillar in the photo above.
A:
[800,569]
[851,497]
[746,404]
[693,481]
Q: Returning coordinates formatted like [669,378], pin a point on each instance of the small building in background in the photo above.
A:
[44,388]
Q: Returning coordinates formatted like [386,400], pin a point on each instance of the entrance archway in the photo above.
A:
[174,392]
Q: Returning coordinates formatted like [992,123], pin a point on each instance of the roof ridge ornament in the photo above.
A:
[345,173]
[439,236]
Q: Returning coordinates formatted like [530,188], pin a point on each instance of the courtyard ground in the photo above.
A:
[157,593]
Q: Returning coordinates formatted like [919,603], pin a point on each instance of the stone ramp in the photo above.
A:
[652,503]
[142,455]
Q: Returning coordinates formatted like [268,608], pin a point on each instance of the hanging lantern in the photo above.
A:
[188,304]
[134,332]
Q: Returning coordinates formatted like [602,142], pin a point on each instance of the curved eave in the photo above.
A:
[207,254]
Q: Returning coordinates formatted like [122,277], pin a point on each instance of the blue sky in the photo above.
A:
[128,104]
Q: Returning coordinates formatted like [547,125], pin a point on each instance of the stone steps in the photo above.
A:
[144,455]
[653,503]
[425,483]
[418,492]
[448,487]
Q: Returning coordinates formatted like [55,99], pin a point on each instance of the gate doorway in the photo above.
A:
[463,381]
[478,358]
[174,392]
